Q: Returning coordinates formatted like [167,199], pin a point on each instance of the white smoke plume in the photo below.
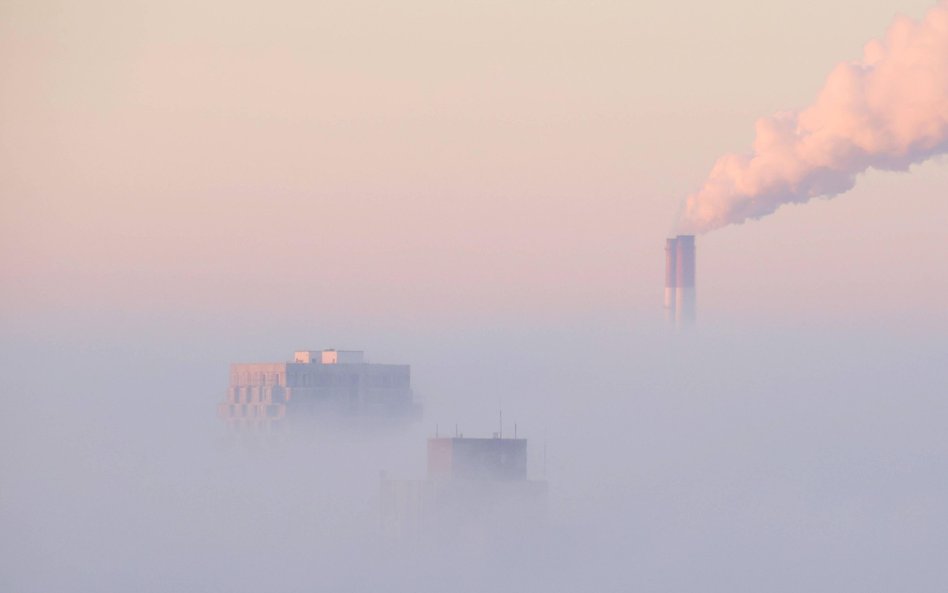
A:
[887,111]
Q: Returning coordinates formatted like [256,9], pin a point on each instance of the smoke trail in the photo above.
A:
[886,111]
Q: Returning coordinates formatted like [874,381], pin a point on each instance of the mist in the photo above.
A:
[778,458]
[478,190]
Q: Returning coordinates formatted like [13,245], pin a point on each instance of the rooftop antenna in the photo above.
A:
[456,433]
[515,430]
[501,423]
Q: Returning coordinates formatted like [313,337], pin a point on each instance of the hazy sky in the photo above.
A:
[430,161]
[480,189]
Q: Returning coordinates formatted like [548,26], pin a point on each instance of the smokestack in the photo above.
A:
[680,280]
[671,278]
[685,281]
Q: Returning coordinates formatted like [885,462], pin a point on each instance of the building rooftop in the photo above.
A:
[477,458]
[329,356]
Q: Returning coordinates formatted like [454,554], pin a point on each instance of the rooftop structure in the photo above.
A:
[329,356]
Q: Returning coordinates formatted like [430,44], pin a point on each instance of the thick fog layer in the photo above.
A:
[731,459]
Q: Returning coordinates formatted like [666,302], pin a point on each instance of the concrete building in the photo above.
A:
[316,383]
[477,459]
[476,488]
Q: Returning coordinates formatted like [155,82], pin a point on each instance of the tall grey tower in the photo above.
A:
[680,280]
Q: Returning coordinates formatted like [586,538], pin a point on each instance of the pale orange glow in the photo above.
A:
[371,160]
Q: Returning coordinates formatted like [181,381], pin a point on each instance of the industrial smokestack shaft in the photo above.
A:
[680,280]
[685,280]
[671,278]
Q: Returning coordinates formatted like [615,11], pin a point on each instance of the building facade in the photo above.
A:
[476,488]
[320,383]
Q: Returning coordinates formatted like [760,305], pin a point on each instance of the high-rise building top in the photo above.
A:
[474,485]
[321,382]
[466,458]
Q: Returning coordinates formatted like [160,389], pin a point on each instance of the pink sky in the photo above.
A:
[886,111]
[419,160]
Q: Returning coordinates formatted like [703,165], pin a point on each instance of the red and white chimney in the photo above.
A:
[680,280]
